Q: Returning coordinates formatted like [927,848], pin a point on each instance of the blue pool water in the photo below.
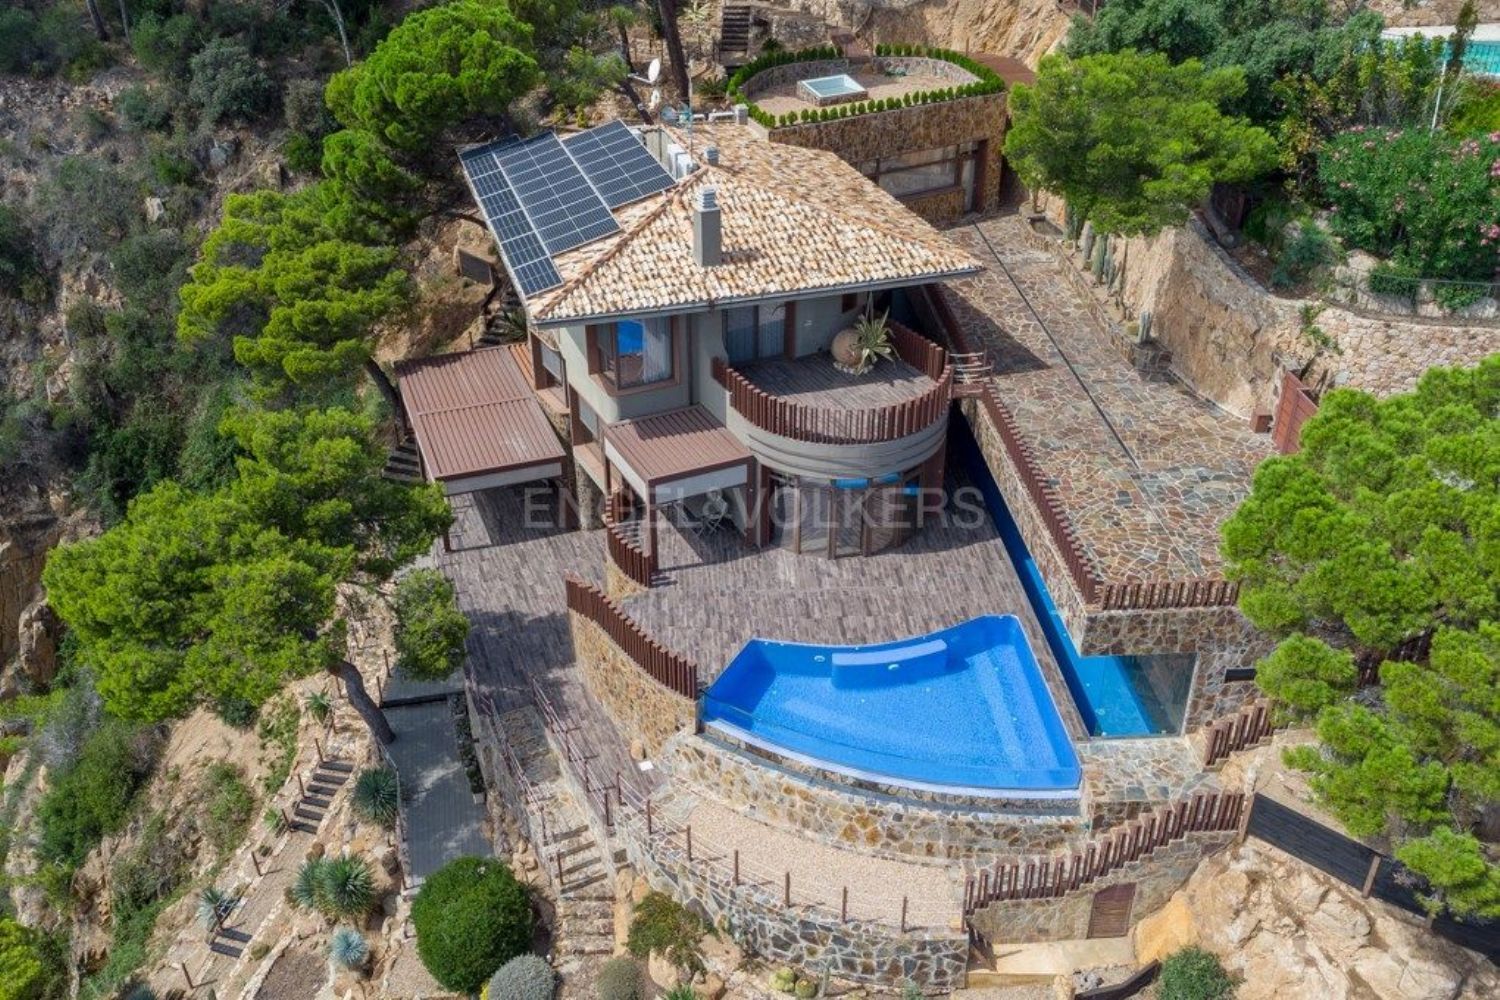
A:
[838,85]
[964,708]
[1109,691]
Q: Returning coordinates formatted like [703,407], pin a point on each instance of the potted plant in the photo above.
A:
[856,349]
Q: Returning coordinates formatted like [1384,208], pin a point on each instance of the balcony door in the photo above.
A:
[752,333]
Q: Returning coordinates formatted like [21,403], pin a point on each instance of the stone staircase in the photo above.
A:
[403,465]
[734,35]
[318,794]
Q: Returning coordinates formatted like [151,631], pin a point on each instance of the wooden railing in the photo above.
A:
[1127,596]
[624,551]
[1415,649]
[1054,877]
[1197,593]
[671,670]
[1244,728]
[800,422]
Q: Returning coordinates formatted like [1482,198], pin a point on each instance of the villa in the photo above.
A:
[852,657]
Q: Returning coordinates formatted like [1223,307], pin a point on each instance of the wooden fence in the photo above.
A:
[1245,728]
[1050,878]
[822,425]
[1369,871]
[1295,407]
[1127,596]
[672,670]
[626,552]
[1413,650]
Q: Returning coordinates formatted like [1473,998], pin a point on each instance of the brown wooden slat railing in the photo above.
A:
[1413,650]
[634,561]
[1128,596]
[1049,878]
[1244,728]
[671,670]
[820,425]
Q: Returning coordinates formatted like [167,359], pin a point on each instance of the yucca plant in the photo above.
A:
[377,796]
[304,890]
[319,706]
[348,949]
[346,887]
[872,341]
[214,904]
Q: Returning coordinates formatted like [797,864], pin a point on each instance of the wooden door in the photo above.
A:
[1110,916]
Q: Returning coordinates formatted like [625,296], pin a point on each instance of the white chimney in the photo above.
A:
[708,230]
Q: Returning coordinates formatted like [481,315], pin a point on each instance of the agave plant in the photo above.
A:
[346,887]
[304,890]
[214,905]
[319,706]
[872,341]
[348,949]
[377,796]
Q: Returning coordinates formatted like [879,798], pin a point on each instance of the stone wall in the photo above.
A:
[776,76]
[1156,876]
[866,822]
[857,950]
[642,709]
[861,138]
[1229,338]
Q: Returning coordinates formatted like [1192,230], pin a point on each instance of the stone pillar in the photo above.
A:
[590,502]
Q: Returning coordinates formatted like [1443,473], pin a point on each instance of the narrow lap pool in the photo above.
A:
[961,710]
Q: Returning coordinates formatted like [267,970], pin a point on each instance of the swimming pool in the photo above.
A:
[963,710]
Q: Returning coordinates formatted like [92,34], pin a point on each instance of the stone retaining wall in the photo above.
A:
[642,709]
[861,138]
[1157,876]
[857,950]
[859,821]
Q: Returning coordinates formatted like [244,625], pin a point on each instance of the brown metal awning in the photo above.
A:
[686,447]
[476,421]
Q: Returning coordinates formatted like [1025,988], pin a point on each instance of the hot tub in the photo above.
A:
[962,710]
[837,89]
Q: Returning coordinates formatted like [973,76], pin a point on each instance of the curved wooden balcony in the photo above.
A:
[806,399]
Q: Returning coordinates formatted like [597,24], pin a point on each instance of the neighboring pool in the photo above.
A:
[961,710]
[834,89]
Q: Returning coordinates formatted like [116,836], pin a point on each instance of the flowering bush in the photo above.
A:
[1429,203]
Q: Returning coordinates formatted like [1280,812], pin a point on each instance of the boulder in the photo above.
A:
[36,652]
[1165,931]
[662,972]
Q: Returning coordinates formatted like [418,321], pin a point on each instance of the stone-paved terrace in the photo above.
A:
[1147,470]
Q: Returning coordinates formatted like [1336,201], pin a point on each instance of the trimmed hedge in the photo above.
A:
[472,916]
[988,83]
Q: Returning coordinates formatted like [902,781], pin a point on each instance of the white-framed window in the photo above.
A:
[636,352]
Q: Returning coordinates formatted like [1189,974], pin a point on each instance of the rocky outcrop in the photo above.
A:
[1422,12]
[24,540]
[1024,29]
[1288,930]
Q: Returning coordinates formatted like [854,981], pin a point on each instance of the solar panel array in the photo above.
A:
[617,163]
[542,198]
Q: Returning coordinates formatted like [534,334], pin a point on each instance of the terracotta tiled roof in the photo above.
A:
[794,220]
[473,414]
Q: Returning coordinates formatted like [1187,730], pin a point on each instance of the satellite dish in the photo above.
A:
[655,101]
[653,71]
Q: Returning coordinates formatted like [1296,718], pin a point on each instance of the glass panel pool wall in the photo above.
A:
[1115,695]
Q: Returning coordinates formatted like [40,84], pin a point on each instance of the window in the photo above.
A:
[636,352]
[908,174]
[754,332]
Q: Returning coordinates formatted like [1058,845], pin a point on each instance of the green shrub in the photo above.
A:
[27,971]
[1303,256]
[303,108]
[376,796]
[86,204]
[335,887]
[620,979]
[21,47]
[230,805]
[166,45]
[1391,278]
[1194,974]
[664,926]
[149,266]
[784,980]
[94,797]
[471,917]
[19,264]
[144,108]
[525,977]
[227,83]
[682,991]
[430,627]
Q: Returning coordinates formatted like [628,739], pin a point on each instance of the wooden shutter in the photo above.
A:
[1110,916]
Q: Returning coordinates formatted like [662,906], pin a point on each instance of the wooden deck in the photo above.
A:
[813,381]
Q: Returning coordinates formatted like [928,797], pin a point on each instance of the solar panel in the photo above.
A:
[562,206]
[617,163]
[527,259]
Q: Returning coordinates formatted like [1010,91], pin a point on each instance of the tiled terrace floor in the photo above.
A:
[1147,470]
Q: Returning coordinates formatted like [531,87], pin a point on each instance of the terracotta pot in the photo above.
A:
[843,348]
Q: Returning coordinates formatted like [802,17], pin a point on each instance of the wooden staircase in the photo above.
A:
[734,35]
[403,465]
[318,794]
